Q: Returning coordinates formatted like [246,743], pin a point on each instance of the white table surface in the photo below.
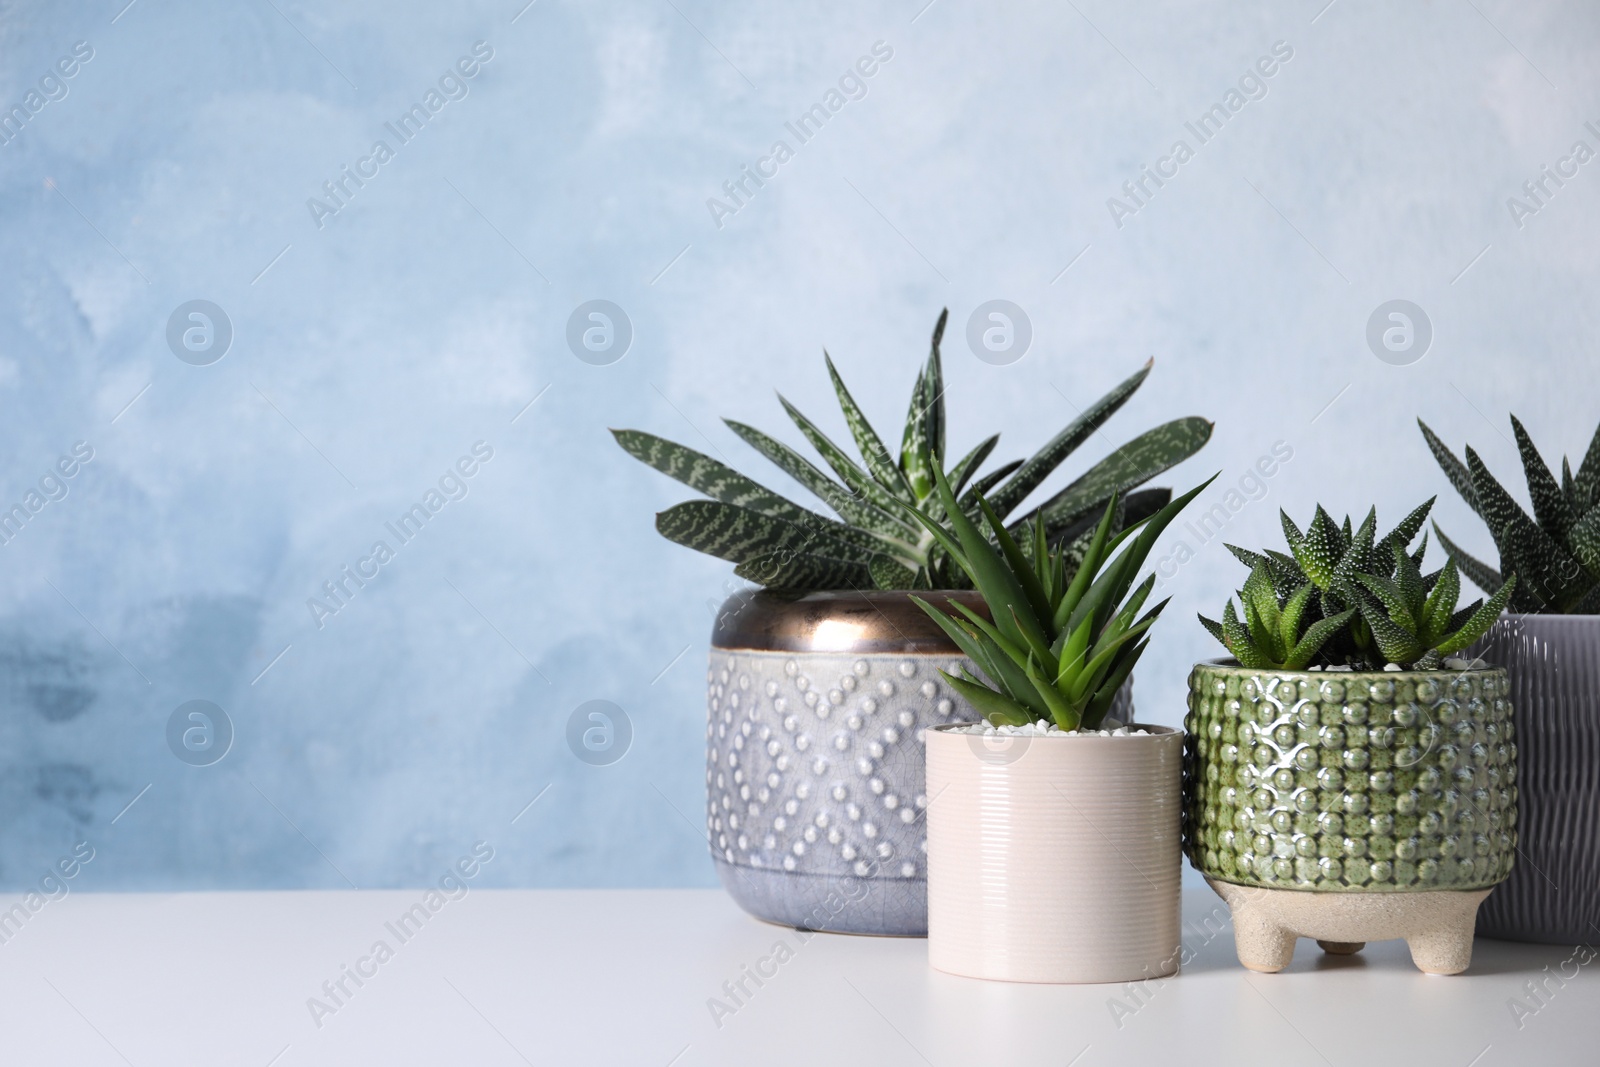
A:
[619,977]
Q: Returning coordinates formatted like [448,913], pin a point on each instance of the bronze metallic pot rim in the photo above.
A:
[848,621]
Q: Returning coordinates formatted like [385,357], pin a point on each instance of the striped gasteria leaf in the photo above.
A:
[1555,552]
[1348,598]
[878,538]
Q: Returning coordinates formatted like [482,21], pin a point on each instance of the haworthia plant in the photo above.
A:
[1555,552]
[879,539]
[1345,597]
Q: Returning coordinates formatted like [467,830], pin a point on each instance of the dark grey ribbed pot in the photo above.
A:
[1553,894]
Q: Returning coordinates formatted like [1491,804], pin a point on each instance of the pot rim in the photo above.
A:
[1547,615]
[1228,663]
[1146,729]
[881,621]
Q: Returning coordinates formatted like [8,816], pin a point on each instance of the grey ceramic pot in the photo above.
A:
[1553,894]
[816,706]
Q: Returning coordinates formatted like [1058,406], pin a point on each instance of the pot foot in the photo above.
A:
[1341,948]
[1445,951]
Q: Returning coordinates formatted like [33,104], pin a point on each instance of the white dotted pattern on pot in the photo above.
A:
[814,761]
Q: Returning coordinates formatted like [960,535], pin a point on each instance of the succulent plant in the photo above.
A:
[877,540]
[1343,597]
[1556,552]
[1059,646]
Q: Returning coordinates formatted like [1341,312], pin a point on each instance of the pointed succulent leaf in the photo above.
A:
[1318,552]
[1021,568]
[1040,465]
[1441,603]
[1101,702]
[1393,601]
[889,574]
[1586,484]
[1550,505]
[1481,574]
[1569,489]
[1236,636]
[997,708]
[1291,532]
[1546,570]
[1214,628]
[1062,713]
[1358,554]
[1413,588]
[981,485]
[879,463]
[1131,465]
[1316,635]
[859,481]
[1403,534]
[1480,621]
[1584,540]
[784,571]
[968,465]
[1294,610]
[716,480]
[1455,470]
[924,432]
[850,507]
[1396,644]
[740,534]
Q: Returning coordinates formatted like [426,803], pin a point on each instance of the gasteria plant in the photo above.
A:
[878,540]
[1060,645]
[1345,598]
[1556,552]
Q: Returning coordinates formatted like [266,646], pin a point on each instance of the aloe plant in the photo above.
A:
[878,539]
[1344,597]
[1058,645]
[1556,551]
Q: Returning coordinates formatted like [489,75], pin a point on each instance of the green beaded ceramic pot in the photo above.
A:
[1350,781]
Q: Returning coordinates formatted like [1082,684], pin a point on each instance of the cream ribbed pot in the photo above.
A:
[1054,859]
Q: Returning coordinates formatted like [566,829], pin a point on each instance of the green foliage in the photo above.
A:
[882,500]
[1556,551]
[1345,597]
[1060,638]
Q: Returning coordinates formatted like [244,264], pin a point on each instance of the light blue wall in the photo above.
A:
[424,315]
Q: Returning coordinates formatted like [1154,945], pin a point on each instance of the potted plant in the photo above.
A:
[1549,641]
[820,682]
[1053,856]
[1346,776]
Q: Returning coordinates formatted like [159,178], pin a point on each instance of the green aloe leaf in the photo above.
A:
[879,463]
[1214,628]
[1393,601]
[997,708]
[1095,713]
[1133,464]
[1550,505]
[1040,465]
